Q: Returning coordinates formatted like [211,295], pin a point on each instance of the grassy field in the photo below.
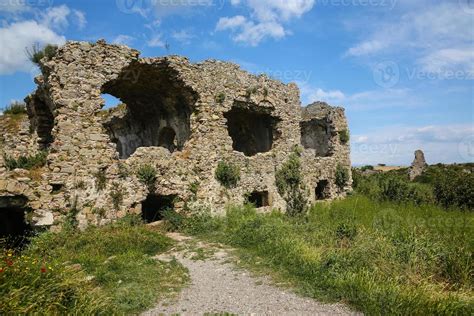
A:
[108,270]
[379,257]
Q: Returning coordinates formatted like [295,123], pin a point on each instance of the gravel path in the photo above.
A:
[218,286]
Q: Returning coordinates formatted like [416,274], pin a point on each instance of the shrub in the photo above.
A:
[227,174]
[289,182]
[453,188]
[36,54]
[194,188]
[147,175]
[368,167]
[116,195]
[250,91]
[173,220]
[15,108]
[26,162]
[70,218]
[346,230]
[342,176]
[344,136]
[100,180]
[220,98]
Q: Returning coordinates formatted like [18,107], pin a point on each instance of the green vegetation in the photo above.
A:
[15,108]
[116,194]
[289,182]
[227,174]
[36,54]
[107,270]
[342,176]
[451,186]
[220,98]
[250,91]
[35,161]
[344,136]
[147,175]
[380,257]
[100,180]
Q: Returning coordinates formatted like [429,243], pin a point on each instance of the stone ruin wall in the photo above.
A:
[195,101]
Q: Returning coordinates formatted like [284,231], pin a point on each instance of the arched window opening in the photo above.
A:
[155,109]
[252,130]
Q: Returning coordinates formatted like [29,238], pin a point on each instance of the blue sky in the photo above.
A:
[403,69]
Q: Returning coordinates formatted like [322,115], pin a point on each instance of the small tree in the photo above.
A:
[289,182]
[227,174]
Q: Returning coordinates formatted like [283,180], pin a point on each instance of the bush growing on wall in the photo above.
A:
[26,162]
[15,108]
[289,182]
[227,174]
[35,54]
[344,136]
[342,176]
[147,175]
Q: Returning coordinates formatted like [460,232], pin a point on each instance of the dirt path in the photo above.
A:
[218,286]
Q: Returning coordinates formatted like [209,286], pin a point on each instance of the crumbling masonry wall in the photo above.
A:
[179,117]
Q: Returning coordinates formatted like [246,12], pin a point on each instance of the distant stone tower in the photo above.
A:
[418,165]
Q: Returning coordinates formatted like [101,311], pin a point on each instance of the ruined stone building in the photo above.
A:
[178,117]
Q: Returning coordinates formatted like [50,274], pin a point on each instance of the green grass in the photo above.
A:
[379,257]
[30,162]
[101,270]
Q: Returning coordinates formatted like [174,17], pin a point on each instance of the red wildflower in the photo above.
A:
[43,270]
[1,270]
[9,262]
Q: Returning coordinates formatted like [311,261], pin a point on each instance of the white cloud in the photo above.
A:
[123,39]
[231,23]
[183,36]
[440,34]
[56,17]
[80,18]
[449,58]
[395,145]
[156,41]
[13,7]
[365,100]
[367,48]
[15,38]
[167,8]
[267,18]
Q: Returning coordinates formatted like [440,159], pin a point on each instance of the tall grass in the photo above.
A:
[380,257]
[107,270]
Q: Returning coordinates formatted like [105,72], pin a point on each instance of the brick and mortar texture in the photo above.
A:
[66,116]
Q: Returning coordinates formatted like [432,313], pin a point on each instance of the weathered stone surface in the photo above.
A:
[418,166]
[181,118]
